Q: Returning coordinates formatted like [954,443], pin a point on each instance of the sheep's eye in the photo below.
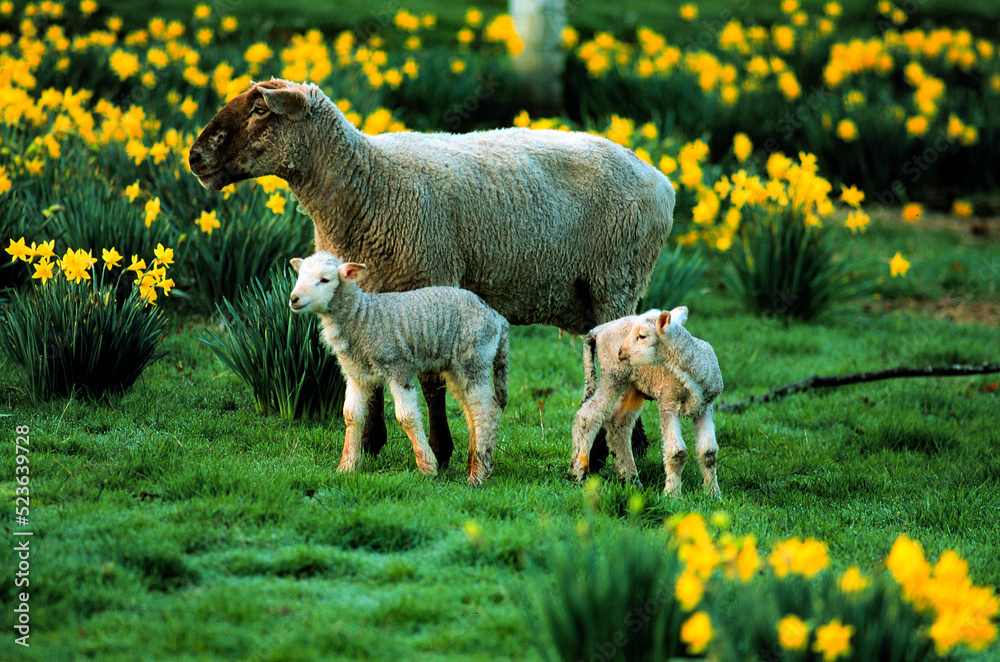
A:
[258,109]
[324,280]
[642,336]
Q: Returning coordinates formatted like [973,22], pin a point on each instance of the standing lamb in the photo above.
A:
[649,357]
[391,338]
[548,227]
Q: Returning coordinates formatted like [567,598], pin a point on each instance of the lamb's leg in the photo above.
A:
[707,449]
[619,426]
[356,399]
[440,440]
[674,450]
[589,419]
[483,416]
[374,435]
[404,398]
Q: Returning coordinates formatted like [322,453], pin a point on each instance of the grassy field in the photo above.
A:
[179,522]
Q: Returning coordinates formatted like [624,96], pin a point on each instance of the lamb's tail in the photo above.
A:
[500,366]
[589,374]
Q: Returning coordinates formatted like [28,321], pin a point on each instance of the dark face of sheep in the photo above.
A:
[245,139]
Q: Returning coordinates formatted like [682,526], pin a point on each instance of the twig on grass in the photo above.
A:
[828,381]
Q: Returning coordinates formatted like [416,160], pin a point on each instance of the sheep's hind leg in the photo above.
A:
[439,435]
[707,449]
[588,422]
[404,398]
[619,426]
[674,450]
[374,434]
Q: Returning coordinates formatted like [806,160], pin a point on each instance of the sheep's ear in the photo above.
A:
[663,321]
[288,101]
[296,263]
[680,314]
[351,270]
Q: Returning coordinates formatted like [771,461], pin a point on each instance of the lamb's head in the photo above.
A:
[651,330]
[320,275]
[250,136]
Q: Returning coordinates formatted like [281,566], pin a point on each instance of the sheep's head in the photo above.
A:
[319,277]
[246,138]
[649,331]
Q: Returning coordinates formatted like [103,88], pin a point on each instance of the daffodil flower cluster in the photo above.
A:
[964,614]
[76,265]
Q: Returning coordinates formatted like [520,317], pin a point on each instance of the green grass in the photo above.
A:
[178,522]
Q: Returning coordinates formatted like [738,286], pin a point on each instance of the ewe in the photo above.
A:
[547,227]
[391,338]
[649,357]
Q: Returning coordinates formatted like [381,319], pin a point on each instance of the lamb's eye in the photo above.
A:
[324,280]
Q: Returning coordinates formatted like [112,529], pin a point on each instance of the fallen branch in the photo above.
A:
[819,381]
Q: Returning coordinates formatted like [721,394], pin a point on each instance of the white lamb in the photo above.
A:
[649,357]
[389,339]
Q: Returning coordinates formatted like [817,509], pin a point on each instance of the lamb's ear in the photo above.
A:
[351,270]
[291,102]
[680,315]
[296,263]
[663,321]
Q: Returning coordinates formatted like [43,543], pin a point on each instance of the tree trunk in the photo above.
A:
[540,65]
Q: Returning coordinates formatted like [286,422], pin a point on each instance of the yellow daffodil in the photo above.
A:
[19,251]
[793,633]
[696,632]
[111,258]
[43,271]
[912,212]
[850,195]
[847,130]
[852,581]
[207,221]
[898,265]
[833,640]
[688,590]
[276,203]
[961,208]
[132,191]
[152,208]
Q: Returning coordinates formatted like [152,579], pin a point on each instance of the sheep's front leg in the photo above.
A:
[404,398]
[674,451]
[356,398]
[441,443]
[707,449]
[589,419]
[619,426]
